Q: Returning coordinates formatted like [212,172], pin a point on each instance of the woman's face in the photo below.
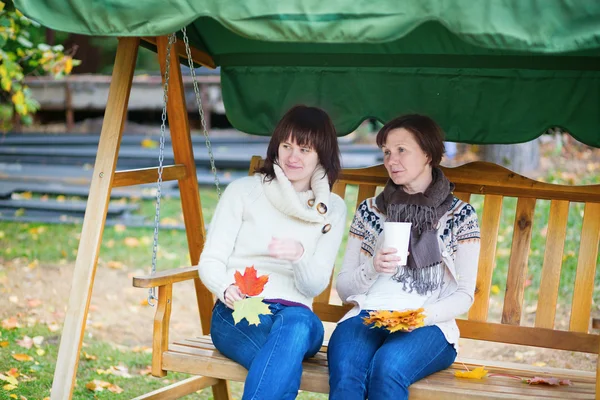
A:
[406,163]
[297,162]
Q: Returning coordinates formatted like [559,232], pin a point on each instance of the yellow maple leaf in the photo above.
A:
[250,308]
[476,373]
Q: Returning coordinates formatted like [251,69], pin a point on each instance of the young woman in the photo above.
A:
[286,223]
[439,276]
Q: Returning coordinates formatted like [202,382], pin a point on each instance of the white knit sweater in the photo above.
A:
[250,213]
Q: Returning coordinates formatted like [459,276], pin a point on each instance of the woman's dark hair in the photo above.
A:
[310,127]
[426,131]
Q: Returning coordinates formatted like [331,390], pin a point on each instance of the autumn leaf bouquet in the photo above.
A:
[395,321]
[251,307]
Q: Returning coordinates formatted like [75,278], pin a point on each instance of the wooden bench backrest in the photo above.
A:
[496,183]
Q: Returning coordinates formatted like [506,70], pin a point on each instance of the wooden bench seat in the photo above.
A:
[198,356]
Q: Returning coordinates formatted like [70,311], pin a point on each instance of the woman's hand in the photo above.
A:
[385,260]
[232,294]
[286,249]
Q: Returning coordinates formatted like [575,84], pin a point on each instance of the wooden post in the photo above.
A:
[94,220]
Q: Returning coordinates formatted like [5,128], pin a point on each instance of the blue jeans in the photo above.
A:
[273,351]
[374,363]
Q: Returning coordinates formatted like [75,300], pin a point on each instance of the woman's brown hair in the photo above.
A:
[426,131]
[310,127]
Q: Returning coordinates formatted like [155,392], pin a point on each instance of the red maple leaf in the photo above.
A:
[249,283]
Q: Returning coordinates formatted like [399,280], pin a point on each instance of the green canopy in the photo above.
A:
[490,71]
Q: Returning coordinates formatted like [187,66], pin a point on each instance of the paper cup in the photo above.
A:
[397,235]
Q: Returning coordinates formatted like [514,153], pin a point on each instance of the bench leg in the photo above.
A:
[221,390]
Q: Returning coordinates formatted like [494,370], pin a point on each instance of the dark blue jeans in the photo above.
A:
[273,351]
[374,363]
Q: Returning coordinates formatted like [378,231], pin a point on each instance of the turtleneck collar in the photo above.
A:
[286,199]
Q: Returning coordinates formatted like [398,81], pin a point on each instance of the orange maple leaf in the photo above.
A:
[249,283]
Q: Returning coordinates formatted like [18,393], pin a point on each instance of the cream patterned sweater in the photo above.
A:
[458,239]
[250,213]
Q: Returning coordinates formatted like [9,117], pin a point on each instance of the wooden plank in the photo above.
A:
[160,333]
[490,223]
[528,336]
[439,385]
[586,269]
[94,220]
[184,154]
[517,268]
[364,192]
[165,277]
[148,175]
[555,244]
[330,312]
[486,178]
[256,162]
[339,188]
[179,389]
[198,56]
[464,196]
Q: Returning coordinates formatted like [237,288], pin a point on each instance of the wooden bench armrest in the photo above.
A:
[166,277]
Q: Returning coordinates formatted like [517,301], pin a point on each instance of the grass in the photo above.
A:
[35,377]
[132,247]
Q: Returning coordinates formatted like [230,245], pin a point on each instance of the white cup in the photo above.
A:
[397,235]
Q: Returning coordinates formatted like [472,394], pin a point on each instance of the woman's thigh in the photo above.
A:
[352,347]
[239,342]
[411,356]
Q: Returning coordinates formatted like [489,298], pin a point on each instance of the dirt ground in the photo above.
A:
[117,314]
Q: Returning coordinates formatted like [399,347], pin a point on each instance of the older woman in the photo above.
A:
[439,275]
[285,222]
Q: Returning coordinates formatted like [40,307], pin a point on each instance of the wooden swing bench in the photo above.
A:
[198,356]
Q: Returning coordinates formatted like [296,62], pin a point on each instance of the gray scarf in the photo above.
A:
[423,271]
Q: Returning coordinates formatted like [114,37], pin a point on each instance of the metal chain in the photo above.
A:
[201,112]
[161,155]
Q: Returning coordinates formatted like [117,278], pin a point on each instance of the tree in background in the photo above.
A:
[23,52]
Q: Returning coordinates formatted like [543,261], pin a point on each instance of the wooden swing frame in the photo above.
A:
[490,180]
[105,177]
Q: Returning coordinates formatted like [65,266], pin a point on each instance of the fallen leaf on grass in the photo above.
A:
[131,242]
[250,309]
[4,344]
[10,323]
[115,265]
[249,283]
[14,372]
[146,371]
[33,303]
[548,381]
[22,357]
[119,228]
[53,326]
[476,373]
[10,379]
[40,352]
[98,386]
[9,387]
[38,340]
[26,342]
[89,356]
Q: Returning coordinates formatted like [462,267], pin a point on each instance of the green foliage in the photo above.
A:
[22,53]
